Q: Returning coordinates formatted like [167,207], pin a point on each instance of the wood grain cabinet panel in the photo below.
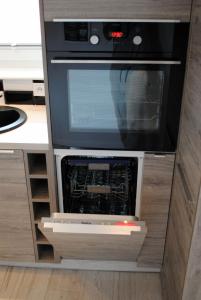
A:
[95,237]
[178,240]
[110,9]
[190,151]
[190,134]
[178,279]
[156,191]
[16,241]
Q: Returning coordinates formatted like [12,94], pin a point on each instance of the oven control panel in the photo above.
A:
[123,37]
[93,32]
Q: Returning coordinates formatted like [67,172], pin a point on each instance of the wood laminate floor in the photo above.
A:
[37,284]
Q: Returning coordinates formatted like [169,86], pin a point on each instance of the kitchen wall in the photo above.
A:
[20,40]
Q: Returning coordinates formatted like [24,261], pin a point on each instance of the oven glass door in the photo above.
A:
[109,104]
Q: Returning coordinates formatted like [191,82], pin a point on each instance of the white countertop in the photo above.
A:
[32,135]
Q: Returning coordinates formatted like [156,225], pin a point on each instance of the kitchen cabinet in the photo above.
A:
[155,201]
[16,243]
[117,9]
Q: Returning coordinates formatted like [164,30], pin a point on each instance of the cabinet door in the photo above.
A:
[155,201]
[98,237]
[178,239]
[16,241]
[119,9]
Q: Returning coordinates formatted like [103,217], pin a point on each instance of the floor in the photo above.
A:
[37,284]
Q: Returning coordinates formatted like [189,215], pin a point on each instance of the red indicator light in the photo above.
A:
[117,34]
[125,223]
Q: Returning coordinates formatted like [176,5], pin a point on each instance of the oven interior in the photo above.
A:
[99,185]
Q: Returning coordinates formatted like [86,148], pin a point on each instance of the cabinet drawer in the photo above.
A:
[110,9]
[75,236]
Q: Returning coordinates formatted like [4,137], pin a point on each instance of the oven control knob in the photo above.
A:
[94,39]
[137,40]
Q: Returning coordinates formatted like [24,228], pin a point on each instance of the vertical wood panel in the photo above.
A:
[186,183]
[156,190]
[192,287]
[178,241]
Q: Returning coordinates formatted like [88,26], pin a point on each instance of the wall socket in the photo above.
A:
[38,89]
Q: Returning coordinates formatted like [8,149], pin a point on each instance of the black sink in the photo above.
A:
[11,118]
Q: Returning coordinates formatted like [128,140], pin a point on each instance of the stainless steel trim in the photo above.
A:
[59,182]
[97,153]
[118,20]
[60,153]
[127,62]
[7,151]
[139,186]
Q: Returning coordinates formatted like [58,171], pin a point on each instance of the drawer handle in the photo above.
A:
[185,184]
[7,151]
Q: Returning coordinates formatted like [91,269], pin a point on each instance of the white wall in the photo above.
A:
[20,24]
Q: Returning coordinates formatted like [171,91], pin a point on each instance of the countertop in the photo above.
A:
[32,135]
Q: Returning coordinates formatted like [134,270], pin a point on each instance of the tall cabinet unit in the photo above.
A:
[158,170]
[182,263]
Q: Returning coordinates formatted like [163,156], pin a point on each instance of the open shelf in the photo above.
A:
[40,238]
[45,253]
[40,210]
[38,177]
[37,164]
[39,189]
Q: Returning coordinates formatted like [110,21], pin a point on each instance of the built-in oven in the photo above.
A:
[116,85]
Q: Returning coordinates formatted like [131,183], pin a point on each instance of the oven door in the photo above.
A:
[114,104]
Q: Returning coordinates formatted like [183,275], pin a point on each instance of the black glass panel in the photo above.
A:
[114,99]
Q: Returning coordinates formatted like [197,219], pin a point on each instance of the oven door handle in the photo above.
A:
[119,62]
